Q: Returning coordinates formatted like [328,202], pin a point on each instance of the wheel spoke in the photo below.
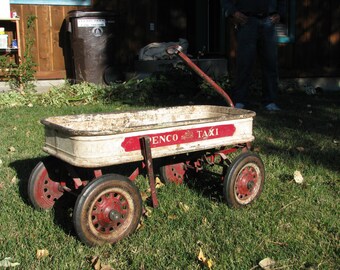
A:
[109,212]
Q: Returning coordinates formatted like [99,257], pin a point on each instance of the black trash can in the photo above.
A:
[93,41]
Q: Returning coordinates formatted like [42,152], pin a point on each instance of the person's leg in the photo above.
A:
[268,57]
[246,55]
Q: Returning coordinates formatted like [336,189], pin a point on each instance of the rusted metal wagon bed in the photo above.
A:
[97,157]
[97,140]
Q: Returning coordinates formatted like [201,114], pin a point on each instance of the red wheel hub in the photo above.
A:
[109,212]
[246,182]
[47,191]
[175,173]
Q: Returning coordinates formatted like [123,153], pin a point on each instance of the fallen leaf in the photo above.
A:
[298,178]
[267,263]
[11,149]
[14,180]
[158,183]
[172,217]
[140,225]
[30,105]
[184,207]
[207,262]
[300,148]
[271,139]
[97,265]
[7,263]
[106,267]
[0,162]
[148,211]
[95,262]
[15,128]
[42,253]
[201,256]
[144,195]
[1,185]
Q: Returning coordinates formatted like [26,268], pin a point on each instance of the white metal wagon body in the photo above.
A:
[97,140]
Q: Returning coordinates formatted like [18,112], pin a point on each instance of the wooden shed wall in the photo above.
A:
[315,51]
[46,50]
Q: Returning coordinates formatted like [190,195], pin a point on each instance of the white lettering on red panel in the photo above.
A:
[180,137]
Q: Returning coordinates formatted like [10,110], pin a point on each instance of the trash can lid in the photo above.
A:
[98,14]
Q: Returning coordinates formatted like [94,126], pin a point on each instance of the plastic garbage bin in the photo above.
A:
[92,38]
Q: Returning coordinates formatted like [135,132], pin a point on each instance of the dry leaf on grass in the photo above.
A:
[144,195]
[267,264]
[140,224]
[7,263]
[148,211]
[97,265]
[271,139]
[184,207]
[11,149]
[14,180]
[300,148]
[42,253]
[158,183]
[95,262]
[206,261]
[298,178]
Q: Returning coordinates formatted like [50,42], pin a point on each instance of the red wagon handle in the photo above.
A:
[178,51]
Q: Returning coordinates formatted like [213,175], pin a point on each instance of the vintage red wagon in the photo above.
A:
[177,139]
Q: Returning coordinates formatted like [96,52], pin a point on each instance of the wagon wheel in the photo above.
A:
[107,210]
[43,184]
[173,173]
[244,180]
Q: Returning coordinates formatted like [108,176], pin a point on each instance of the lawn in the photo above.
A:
[294,224]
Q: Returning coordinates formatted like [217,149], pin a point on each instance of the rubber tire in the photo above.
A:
[42,190]
[82,213]
[230,180]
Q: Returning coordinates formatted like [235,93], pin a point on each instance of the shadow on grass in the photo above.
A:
[208,185]
[306,129]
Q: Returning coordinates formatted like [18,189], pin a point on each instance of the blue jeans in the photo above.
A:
[257,36]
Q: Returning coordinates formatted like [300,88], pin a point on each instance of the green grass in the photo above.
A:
[297,225]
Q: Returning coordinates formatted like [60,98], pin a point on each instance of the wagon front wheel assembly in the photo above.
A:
[244,180]
[107,210]
[44,183]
